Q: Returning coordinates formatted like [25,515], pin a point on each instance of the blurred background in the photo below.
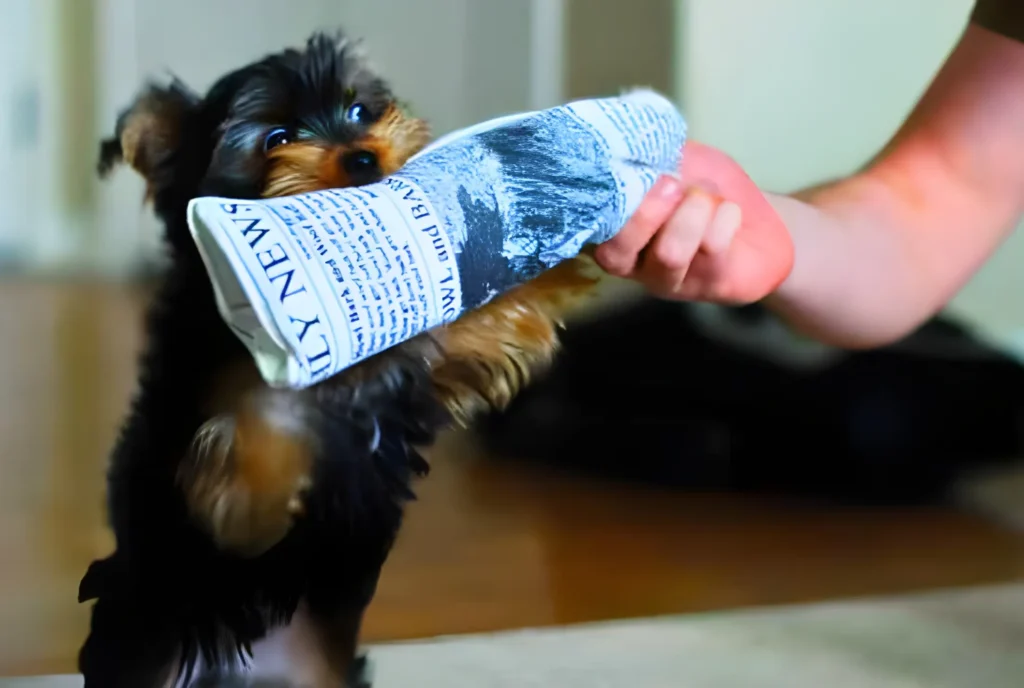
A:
[798,91]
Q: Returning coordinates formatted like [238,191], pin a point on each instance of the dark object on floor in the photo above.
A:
[706,399]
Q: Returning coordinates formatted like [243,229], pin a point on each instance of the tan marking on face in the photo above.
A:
[303,167]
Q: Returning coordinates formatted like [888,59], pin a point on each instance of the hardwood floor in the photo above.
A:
[488,546]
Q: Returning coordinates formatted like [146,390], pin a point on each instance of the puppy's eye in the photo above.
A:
[277,137]
[357,113]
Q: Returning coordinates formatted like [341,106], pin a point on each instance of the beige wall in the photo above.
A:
[19,136]
[614,44]
[611,45]
[799,91]
[46,123]
[802,90]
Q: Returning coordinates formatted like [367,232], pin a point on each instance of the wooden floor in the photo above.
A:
[489,546]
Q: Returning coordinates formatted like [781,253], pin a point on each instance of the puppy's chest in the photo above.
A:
[288,657]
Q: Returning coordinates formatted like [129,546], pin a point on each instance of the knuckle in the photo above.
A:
[621,242]
[612,261]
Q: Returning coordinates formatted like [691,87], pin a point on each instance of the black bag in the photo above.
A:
[709,398]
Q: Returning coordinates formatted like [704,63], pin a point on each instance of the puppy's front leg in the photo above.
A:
[491,353]
[253,462]
[248,469]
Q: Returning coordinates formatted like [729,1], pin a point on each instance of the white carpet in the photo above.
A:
[956,639]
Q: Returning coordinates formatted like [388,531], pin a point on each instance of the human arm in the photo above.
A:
[871,256]
[883,250]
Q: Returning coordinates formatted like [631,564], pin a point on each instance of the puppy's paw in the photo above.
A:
[248,472]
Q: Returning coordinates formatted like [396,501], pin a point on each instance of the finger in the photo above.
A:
[669,256]
[710,168]
[618,255]
[707,279]
[723,226]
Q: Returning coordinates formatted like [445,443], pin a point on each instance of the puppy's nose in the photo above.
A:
[362,166]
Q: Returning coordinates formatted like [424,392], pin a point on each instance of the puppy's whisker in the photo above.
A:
[375,441]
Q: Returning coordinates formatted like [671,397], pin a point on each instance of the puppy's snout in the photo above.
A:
[362,166]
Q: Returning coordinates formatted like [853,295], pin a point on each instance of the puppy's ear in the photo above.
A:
[95,581]
[150,130]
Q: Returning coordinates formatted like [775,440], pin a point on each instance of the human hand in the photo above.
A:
[709,235]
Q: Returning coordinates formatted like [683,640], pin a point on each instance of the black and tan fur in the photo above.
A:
[233,504]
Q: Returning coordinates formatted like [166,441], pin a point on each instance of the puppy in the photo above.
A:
[240,510]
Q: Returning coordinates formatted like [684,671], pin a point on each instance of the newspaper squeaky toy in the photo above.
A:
[317,282]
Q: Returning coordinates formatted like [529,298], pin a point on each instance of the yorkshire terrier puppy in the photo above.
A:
[237,508]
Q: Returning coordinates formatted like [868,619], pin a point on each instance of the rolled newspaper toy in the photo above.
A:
[316,282]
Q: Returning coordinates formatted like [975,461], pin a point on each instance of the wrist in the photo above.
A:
[812,298]
[786,296]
